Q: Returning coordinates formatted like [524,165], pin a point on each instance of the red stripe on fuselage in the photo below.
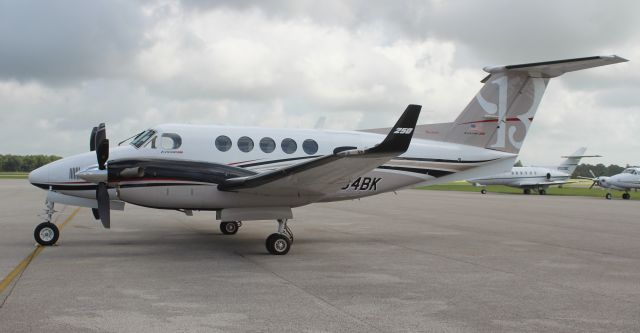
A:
[492,121]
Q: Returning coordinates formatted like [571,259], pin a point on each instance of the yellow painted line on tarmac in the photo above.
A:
[6,282]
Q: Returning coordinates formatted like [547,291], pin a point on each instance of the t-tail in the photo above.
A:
[571,162]
[501,113]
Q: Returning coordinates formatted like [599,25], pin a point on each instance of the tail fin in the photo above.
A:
[569,165]
[500,114]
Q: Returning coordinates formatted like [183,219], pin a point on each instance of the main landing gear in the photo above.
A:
[47,233]
[608,196]
[280,243]
[542,191]
[626,196]
[526,191]
[230,227]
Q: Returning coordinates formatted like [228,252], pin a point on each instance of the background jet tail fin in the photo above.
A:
[500,114]
[571,162]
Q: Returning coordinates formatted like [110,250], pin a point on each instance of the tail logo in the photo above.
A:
[505,130]
[403,130]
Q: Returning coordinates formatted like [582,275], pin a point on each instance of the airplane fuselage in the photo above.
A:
[625,181]
[525,177]
[240,151]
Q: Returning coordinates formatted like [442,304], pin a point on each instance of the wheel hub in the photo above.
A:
[46,234]
[280,245]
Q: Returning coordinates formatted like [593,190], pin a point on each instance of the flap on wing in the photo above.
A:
[326,174]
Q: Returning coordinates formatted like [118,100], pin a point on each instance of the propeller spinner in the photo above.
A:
[595,179]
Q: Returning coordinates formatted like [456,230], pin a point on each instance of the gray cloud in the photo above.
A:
[67,65]
[63,41]
[501,30]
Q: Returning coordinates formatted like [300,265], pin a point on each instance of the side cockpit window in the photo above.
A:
[143,138]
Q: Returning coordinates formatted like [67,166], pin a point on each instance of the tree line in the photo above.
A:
[26,163]
[599,170]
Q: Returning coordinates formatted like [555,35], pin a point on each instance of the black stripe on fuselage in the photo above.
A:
[396,158]
[438,160]
[69,187]
[248,165]
[65,187]
[429,172]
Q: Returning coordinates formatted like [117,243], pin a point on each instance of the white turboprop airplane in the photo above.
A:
[261,174]
[627,180]
[535,177]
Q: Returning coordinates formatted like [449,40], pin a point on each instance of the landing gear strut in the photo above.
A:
[47,233]
[230,227]
[280,243]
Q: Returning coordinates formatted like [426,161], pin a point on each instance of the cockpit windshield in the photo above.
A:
[142,138]
[630,170]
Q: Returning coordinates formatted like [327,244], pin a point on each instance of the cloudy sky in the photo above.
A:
[67,65]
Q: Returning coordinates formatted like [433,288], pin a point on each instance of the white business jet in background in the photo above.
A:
[535,177]
[261,174]
[627,180]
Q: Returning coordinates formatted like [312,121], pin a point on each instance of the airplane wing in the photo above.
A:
[327,174]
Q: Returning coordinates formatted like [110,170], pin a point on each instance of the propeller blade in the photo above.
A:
[104,209]
[92,139]
[96,213]
[102,146]
[103,153]
[592,174]
[593,184]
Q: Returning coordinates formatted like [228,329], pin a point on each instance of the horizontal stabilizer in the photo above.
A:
[580,156]
[549,69]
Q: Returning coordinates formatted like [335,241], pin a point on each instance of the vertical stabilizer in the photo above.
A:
[571,162]
[500,114]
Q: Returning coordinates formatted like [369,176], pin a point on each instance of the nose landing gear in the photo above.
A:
[47,233]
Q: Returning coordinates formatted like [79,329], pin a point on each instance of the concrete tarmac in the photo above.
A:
[418,261]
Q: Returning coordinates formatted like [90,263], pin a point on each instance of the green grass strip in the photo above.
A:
[579,188]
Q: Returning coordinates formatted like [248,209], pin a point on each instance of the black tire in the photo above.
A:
[542,192]
[526,191]
[229,228]
[483,191]
[46,234]
[278,244]
[608,196]
[626,196]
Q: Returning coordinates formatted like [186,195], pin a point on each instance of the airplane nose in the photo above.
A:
[39,175]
